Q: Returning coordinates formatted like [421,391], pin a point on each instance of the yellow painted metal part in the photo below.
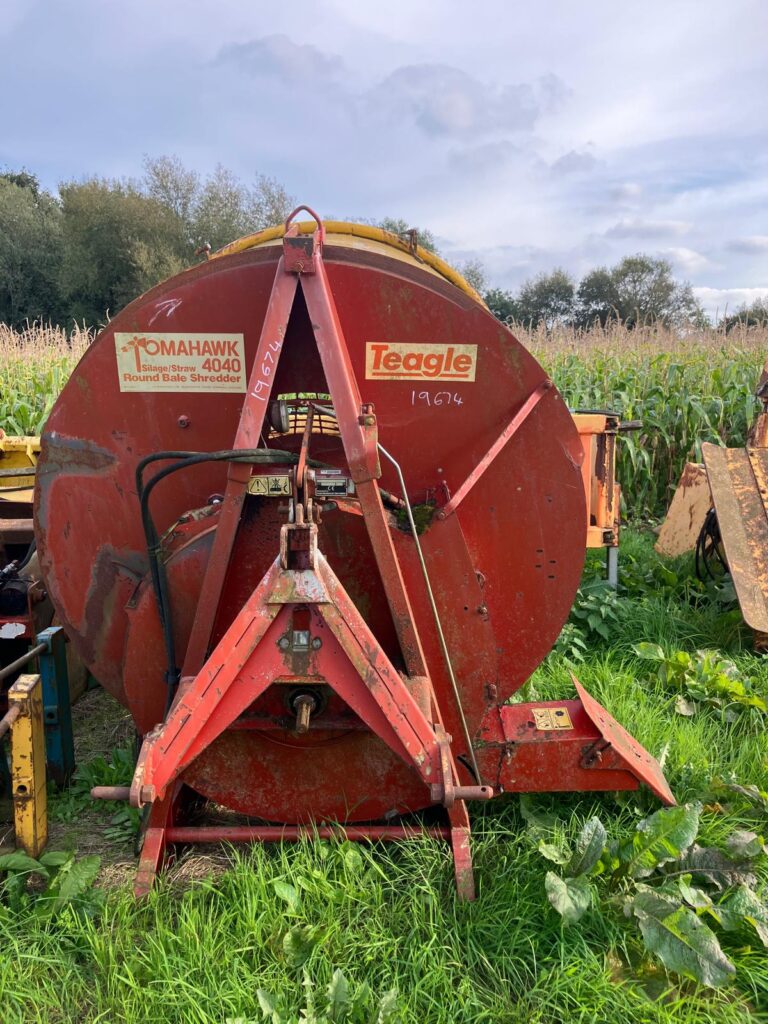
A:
[363,236]
[18,453]
[30,800]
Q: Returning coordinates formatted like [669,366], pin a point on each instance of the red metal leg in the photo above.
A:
[154,848]
[462,851]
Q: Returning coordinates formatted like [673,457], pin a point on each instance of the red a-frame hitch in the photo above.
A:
[256,651]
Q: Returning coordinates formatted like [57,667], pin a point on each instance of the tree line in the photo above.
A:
[85,252]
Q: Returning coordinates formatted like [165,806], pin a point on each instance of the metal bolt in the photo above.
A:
[183,422]
[283,643]
[317,643]
[304,705]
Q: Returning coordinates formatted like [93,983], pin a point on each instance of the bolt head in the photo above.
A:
[283,643]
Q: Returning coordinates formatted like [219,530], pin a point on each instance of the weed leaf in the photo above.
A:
[387,1007]
[717,868]
[338,996]
[289,893]
[663,837]
[298,944]
[680,939]
[590,844]
[743,845]
[55,858]
[75,879]
[268,1005]
[570,897]
[18,861]
[557,853]
[744,906]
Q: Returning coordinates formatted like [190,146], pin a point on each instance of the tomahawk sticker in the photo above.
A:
[180,362]
[396,361]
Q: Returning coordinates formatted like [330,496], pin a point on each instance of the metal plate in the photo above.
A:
[738,479]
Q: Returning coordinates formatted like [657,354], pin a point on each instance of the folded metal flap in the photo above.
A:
[638,761]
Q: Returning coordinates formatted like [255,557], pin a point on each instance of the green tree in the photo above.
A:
[640,289]
[220,208]
[475,274]
[30,251]
[547,298]
[117,243]
[503,305]
[753,315]
[597,298]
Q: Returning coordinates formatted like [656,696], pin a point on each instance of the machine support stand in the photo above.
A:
[57,708]
[461,848]
[155,848]
[612,566]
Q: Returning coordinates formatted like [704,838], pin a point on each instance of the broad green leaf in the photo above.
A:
[714,866]
[387,1008]
[649,652]
[558,854]
[20,861]
[268,1005]
[696,898]
[353,858]
[663,837]
[55,858]
[590,844]
[683,706]
[76,879]
[744,906]
[680,939]
[338,996]
[743,845]
[289,893]
[570,897]
[298,943]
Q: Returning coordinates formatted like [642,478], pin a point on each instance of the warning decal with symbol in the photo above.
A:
[549,719]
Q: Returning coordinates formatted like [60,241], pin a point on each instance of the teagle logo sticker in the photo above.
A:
[396,361]
[180,362]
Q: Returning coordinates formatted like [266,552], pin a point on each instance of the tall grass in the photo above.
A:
[686,389]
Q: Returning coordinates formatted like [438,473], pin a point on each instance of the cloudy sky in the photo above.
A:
[528,135]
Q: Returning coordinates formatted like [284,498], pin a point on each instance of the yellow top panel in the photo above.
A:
[359,236]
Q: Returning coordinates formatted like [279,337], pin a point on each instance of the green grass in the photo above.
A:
[197,951]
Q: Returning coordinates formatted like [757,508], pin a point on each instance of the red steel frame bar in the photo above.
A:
[498,445]
[292,833]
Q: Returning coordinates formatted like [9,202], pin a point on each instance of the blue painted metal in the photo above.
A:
[57,711]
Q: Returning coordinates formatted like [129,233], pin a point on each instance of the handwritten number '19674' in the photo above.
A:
[438,398]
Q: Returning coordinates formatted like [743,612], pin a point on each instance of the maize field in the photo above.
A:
[685,390]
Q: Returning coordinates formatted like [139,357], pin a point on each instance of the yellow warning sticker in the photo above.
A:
[270,486]
[180,362]
[549,719]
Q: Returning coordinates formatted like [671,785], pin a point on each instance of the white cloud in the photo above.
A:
[686,260]
[638,227]
[718,302]
[576,153]
[277,55]
[750,244]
